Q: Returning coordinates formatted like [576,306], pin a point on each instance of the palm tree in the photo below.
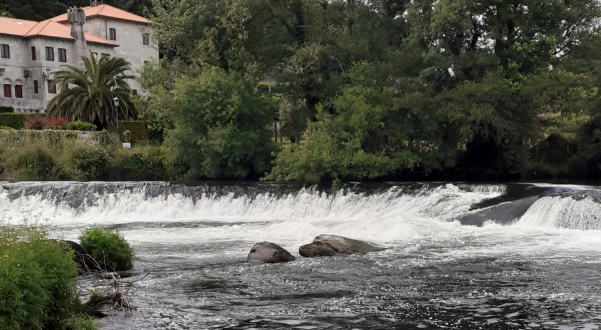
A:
[88,95]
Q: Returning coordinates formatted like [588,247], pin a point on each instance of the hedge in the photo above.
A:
[50,136]
[16,120]
[139,131]
[7,109]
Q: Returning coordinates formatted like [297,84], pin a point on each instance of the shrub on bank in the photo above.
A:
[139,163]
[81,126]
[33,162]
[109,248]
[38,282]
[61,155]
[85,162]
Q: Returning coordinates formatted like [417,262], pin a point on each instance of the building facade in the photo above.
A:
[31,51]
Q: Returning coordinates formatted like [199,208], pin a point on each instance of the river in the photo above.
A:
[457,256]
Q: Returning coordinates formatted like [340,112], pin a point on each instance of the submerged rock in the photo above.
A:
[332,245]
[269,253]
[85,263]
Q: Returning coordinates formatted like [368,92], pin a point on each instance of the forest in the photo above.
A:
[373,89]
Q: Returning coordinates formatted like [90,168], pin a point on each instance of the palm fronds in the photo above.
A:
[88,95]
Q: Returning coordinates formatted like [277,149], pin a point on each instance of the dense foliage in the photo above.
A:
[221,126]
[40,10]
[108,248]
[27,155]
[38,282]
[480,89]
[375,89]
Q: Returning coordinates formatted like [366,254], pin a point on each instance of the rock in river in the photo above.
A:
[85,263]
[269,253]
[332,245]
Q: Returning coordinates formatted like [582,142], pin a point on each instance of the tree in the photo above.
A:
[221,126]
[88,94]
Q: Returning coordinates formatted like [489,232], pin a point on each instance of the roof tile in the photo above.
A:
[105,11]
[46,28]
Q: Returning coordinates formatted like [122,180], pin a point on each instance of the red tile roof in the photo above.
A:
[47,28]
[15,26]
[106,11]
[98,40]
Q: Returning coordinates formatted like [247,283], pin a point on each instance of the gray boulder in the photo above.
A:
[269,253]
[85,263]
[332,245]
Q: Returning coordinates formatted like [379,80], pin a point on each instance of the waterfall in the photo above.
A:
[564,212]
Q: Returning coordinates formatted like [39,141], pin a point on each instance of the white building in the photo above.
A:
[31,51]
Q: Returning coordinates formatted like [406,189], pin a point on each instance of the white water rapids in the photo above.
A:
[293,218]
[420,225]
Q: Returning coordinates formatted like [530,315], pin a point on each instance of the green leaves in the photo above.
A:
[108,248]
[88,94]
[221,126]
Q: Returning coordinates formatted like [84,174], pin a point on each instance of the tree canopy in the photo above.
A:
[397,88]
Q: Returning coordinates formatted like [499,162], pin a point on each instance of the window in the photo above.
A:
[112,34]
[36,87]
[104,54]
[145,39]
[33,55]
[7,90]
[51,89]
[134,91]
[19,91]
[95,55]
[145,63]
[5,50]
[49,54]
[62,55]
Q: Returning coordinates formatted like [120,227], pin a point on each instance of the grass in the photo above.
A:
[60,155]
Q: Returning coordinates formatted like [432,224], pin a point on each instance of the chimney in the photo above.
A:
[77,18]
[94,3]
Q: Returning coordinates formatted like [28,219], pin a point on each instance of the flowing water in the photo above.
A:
[518,256]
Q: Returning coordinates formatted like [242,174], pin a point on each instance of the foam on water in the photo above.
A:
[387,216]
[563,212]
[393,216]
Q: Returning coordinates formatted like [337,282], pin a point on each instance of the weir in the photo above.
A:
[455,255]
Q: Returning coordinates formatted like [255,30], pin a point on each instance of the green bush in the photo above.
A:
[81,126]
[139,163]
[85,162]
[16,120]
[109,248]
[221,126]
[6,128]
[38,282]
[34,163]
[6,109]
